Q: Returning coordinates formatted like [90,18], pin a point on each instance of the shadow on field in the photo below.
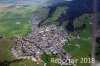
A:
[7,63]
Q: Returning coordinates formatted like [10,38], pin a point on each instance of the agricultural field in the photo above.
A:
[16,19]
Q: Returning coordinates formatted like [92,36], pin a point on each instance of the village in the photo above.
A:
[46,39]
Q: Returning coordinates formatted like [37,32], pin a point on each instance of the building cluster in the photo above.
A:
[45,39]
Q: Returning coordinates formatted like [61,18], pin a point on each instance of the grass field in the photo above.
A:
[26,63]
[87,20]
[5,45]
[47,59]
[14,26]
[83,52]
[16,19]
[57,13]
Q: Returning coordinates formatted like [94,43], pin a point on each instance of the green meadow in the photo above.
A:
[16,19]
[86,31]
[5,45]
[83,52]
[14,26]
[47,59]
